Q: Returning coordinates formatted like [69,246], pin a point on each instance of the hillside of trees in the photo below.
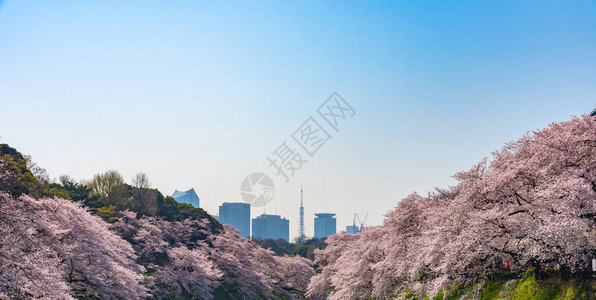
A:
[106,239]
[531,207]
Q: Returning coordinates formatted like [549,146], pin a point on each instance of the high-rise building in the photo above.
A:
[593,113]
[325,225]
[270,227]
[352,229]
[188,197]
[236,214]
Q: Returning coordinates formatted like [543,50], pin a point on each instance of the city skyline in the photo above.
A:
[233,219]
[198,95]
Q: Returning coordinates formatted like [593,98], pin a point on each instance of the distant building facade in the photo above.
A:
[325,225]
[237,215]
[352,229]
[188,197]
[593,113]
[270,227]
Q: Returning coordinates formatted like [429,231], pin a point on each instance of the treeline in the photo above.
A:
[282,247]
[106,194]
[106,239]
[533,206]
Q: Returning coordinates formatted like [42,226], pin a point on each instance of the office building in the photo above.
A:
[270,227]
[237,215]
[352,229]
[188,197]
[325,225]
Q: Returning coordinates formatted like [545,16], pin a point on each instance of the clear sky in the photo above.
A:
[198,94]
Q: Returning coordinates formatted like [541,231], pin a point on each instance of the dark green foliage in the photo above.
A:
[16,178]
[79,192]
[282,247]
[224,292]
[145,201]
[57,190]
[312,245]
[301,250]
[168,207]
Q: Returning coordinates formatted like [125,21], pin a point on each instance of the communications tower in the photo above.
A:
[301,217]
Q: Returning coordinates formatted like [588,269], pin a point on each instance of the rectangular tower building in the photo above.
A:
[352,229]
[270,227]
[237,215]
[325,225]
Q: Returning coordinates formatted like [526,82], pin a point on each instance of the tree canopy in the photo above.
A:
[532,206]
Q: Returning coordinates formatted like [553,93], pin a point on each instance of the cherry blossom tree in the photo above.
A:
[54,248]
[188,272]
[533,204]
[28,267]
[254,272]
[294,272]
[327,259]
[247,267]
[180,267]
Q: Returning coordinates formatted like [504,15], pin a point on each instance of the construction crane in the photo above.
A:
[362,223]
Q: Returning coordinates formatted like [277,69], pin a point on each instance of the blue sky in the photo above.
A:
[198,94]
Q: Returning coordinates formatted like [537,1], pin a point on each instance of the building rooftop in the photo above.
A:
[324,215]
[188,197]
[235,203]
[270,216]
[593,113]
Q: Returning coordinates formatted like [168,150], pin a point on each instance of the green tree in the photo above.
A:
[168,207]
[17,179]
[104,184]
[110,189]
[302,250]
